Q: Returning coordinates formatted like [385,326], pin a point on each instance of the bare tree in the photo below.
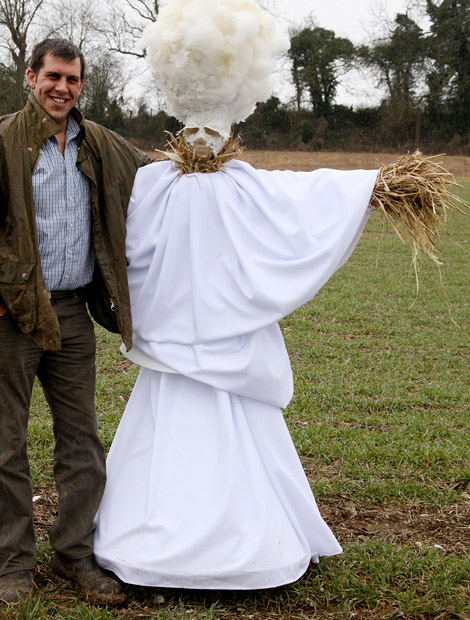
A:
[76,21]
[102,97]
[17,18]
[124,24]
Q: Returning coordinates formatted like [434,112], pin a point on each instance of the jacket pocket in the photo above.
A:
[17,287]
[15,272]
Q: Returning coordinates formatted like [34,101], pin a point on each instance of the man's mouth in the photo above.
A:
[58,100]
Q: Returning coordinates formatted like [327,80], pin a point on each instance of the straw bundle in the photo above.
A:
[416,191]
[198,159]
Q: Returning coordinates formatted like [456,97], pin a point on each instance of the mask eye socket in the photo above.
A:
[211,132]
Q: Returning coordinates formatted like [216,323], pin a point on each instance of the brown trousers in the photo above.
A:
[68,381]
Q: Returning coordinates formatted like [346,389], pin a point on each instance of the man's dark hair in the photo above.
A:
[60,48]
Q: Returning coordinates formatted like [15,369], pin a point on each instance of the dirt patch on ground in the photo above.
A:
[423,525]
[44,508]
[446,528]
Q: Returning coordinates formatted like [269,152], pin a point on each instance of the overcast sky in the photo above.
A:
[350,18]
[358,20]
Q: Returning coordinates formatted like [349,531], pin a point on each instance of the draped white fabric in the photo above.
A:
[205,489]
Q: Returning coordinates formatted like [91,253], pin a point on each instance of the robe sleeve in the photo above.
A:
[214,256]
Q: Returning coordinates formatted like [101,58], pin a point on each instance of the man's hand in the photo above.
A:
[3,309]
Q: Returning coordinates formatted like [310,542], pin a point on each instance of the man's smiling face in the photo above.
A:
[56,86]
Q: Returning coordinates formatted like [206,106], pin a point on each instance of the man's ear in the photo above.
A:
[31,77]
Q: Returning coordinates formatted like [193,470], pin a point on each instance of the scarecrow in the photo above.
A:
[205,488]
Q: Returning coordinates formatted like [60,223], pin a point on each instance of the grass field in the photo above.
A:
[380,418]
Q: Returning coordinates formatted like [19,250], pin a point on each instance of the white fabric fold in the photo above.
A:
[205,489]
[217,259]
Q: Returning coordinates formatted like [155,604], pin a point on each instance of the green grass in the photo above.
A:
[380,417]
[382,379]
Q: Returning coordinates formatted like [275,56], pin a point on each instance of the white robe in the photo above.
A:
[205,489]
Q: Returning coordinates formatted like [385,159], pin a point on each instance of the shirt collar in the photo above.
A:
[73,128]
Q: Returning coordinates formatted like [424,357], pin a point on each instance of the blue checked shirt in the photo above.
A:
[63,214]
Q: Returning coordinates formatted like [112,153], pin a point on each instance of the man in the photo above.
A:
[64,187]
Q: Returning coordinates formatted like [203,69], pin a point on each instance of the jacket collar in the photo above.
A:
[41,125]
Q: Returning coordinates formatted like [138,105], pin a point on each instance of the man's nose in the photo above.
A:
[61,85]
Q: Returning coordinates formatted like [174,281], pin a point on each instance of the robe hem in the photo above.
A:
[186,581]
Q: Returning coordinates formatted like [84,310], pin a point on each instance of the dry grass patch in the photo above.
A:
[458,165]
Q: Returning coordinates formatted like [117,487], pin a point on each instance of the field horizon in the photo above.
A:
[458,165]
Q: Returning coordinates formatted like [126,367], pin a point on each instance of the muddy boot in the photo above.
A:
[89,580]
[17,586]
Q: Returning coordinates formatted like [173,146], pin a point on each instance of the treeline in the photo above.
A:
[424,75]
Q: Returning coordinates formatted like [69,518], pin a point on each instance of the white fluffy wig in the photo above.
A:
[213,61]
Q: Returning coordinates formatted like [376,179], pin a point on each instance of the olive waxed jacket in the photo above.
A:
[110,163]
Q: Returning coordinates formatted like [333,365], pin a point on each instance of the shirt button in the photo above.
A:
[69,251]
[44,120]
